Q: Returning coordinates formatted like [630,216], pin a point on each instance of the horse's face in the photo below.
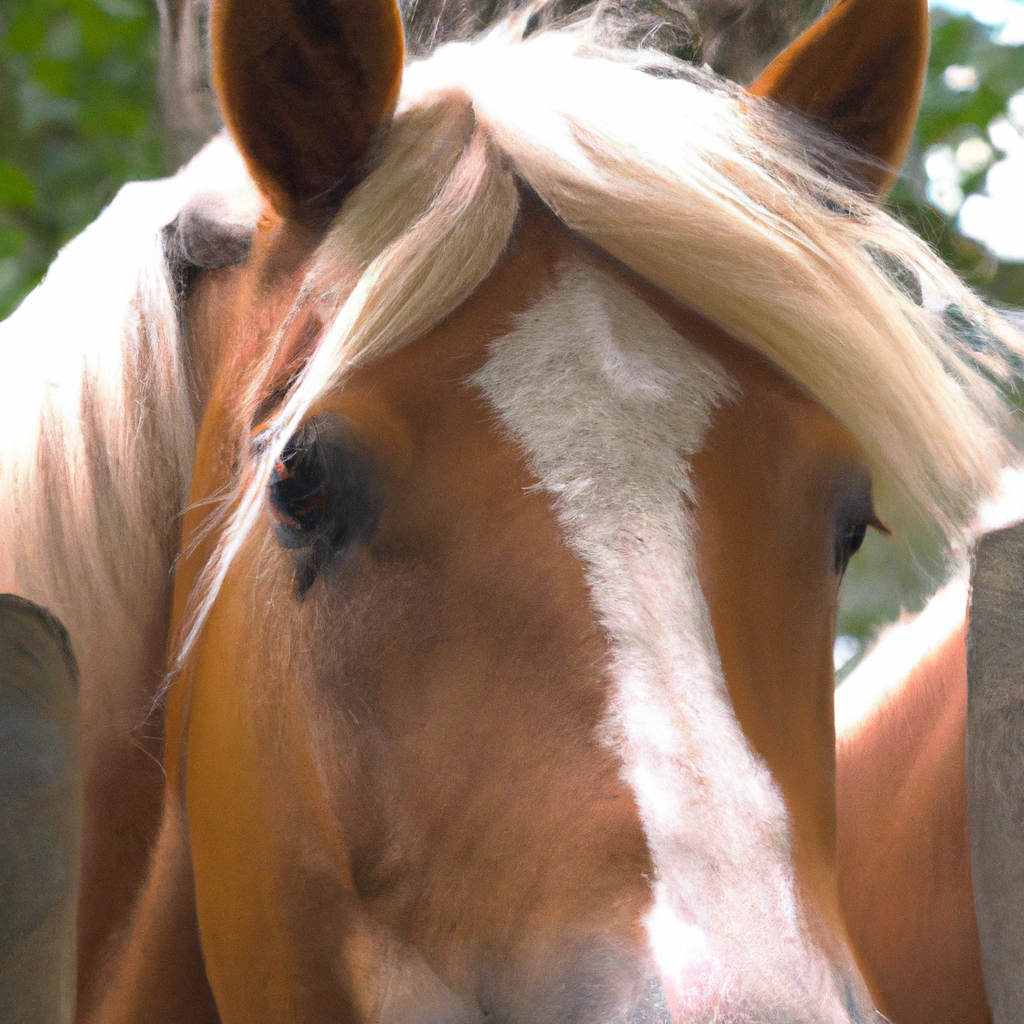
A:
[516,703]
[532,716]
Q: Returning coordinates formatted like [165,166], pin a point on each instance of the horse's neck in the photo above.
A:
[97,430]
[904,852]
[96,440]
[912,687]
[906,682]
[901,791]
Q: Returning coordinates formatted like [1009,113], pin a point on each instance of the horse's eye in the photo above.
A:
[848,544]
[298,491]
[322,498]
[854,512]
[850,536]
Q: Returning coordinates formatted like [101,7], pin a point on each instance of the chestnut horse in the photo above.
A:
[527,400]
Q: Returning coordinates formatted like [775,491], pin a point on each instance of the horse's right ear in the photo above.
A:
[303,85]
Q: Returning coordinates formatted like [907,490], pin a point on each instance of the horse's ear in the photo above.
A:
[303,85]
[860,71]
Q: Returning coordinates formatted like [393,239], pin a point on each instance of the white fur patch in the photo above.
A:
[609,402]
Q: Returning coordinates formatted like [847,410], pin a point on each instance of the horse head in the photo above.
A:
[538,421]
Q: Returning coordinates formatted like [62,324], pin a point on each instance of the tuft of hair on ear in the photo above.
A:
[858,72]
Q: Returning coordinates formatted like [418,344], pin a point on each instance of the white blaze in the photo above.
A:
[609,402]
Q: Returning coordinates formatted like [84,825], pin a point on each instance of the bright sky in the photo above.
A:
[996,218]
[1007,13]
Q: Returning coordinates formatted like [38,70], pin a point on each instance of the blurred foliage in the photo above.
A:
[952,117]
[77,119]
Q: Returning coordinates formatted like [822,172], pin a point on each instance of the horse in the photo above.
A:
[503,423]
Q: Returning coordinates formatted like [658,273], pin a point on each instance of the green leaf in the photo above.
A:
[56,76]
[11,242]
[16,189]
[26,32]
[116,118]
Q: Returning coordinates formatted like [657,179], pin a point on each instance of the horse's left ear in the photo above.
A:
[860,71]
[303,85]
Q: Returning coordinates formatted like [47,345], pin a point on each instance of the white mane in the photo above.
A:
[687,180]
[697,187]
[97,426]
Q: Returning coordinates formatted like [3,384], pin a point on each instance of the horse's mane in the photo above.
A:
[736,38]
[727,203]
[96,422]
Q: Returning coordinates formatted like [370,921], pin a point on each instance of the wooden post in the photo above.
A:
[40,816]
[995,764]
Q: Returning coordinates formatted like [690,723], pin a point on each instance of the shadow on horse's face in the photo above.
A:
[517,703]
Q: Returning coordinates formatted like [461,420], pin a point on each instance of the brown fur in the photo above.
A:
[775,627]
[436,700]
